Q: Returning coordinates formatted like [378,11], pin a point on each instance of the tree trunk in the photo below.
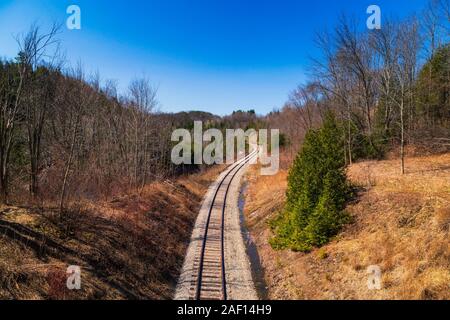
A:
[67,171]
[4,184]
[402,138]
[350,155]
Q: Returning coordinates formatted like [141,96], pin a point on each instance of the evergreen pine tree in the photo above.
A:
[317,192]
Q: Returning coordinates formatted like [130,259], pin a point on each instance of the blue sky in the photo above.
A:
[210,55]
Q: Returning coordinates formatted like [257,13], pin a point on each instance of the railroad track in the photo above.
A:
[209,283]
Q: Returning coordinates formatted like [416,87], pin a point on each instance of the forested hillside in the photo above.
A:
[86,179]
[388,87]
[365,172]
[65,136]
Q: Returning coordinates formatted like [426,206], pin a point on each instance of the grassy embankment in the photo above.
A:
[401,223]
[132,247]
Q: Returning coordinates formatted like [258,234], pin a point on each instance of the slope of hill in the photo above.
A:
[130,248]
[401,224]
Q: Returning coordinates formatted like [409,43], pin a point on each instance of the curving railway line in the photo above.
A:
[207,280]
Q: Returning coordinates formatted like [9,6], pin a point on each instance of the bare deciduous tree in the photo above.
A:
[38,53]
[142,103]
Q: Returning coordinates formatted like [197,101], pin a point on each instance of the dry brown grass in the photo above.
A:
[132,247]
[265,195]
[401,223]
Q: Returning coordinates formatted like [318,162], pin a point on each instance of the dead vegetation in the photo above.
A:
[129,248]
[401,224]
